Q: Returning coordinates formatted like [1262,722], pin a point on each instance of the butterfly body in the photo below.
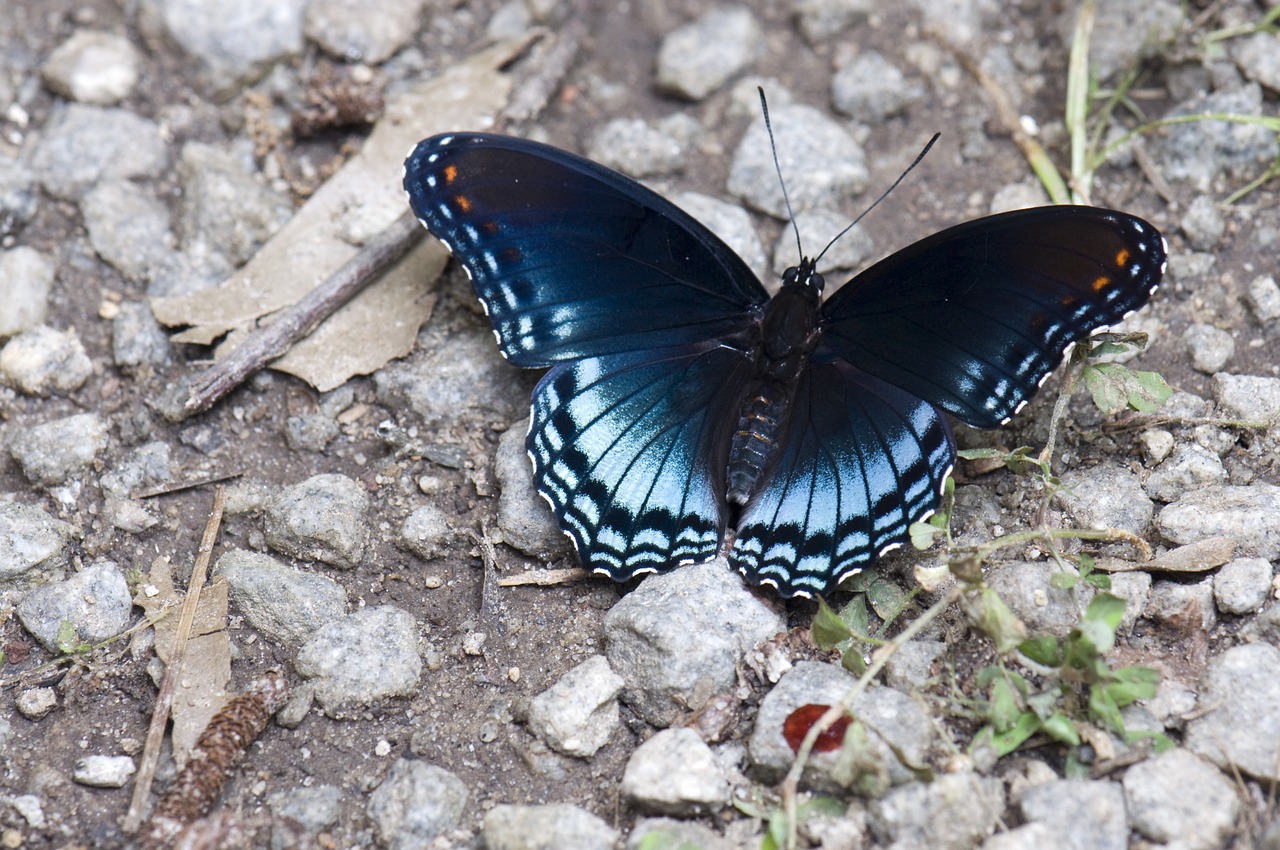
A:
[685,411]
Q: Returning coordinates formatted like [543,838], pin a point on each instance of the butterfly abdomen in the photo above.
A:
[788,334]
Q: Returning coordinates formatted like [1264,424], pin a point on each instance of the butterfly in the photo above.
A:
[686,412]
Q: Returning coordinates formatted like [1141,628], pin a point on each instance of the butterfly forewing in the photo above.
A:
[973,318]
[624,448]
[861,461]
[571,259]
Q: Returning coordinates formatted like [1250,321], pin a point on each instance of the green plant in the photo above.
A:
[1073,690]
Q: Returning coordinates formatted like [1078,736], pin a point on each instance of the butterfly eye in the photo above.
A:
[789,276]
[817,281]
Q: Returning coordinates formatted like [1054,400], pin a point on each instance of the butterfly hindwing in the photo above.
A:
[973,318]
[861,461]
[571,259]
[624,449]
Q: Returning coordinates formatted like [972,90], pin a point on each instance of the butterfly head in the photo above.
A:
[804,275]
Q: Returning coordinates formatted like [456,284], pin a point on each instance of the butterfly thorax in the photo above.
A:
[787,334]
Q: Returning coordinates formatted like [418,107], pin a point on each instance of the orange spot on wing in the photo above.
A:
[450,173]
[1122,258]
[463,202]
[1100,283]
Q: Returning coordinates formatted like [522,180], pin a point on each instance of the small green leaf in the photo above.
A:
[828,628]
[922,534]
[853,661]
[67,638]
[887,599]
[1104,711]
[1132,683]
[1043,649]
[1060,728]
[981,454]
[1006,742]
[1106,608]
[665,839]
[998,622]
[1150,392]
[1115,387]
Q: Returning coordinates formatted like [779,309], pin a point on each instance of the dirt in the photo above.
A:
[105,699]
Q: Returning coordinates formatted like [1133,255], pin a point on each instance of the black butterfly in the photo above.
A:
[683,401]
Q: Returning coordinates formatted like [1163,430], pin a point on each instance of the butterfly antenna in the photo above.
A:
[883,195]
[777,166]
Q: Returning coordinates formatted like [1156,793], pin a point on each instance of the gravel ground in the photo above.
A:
[149,150]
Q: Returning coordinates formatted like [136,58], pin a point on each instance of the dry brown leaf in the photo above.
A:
[206,667]
[364,197]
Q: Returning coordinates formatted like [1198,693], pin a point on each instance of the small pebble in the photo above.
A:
[35,703]
[104,771]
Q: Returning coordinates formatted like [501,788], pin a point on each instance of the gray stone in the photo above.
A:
[672,834]
[368,655]
[1027,588]
[1199,152]
[821,162]
[1248,396]
[34,703]
[871,89]
[235,40]
[1242,585]
[1106,496]
[1190,467]
[698,58]
[1156,445]
[147,465]
[675,773]
[30,539]
[1179,797]
[1173,702]
[1083,814]
[525,519]
[226,210]
[310,432]
[731,223]
[315,807]
[452,374]
[899,728]
[84,144]
[555,827]
[579,712]
[1135,589]
[18,202]
[103,771]
[26,277]
[648,631]
[95,600]
[954,812]
[321,519]
[633,147]
[129,228]
[1126,32]
[818,227]
[1203,224]
[820,20]
[347,31]
[93,67]
[426,532]
[137,340]
[1239,727]
[51,453]
[1031,836]
[42,360]
[415,803]
[1210,348]
[286,604]
[1189,606]
[1258,58]
[1263,297]
[1250,515]
[912,665]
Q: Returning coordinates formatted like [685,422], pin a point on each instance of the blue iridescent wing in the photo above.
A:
[571,259]
[630,449]
[860,462]
[973,318]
